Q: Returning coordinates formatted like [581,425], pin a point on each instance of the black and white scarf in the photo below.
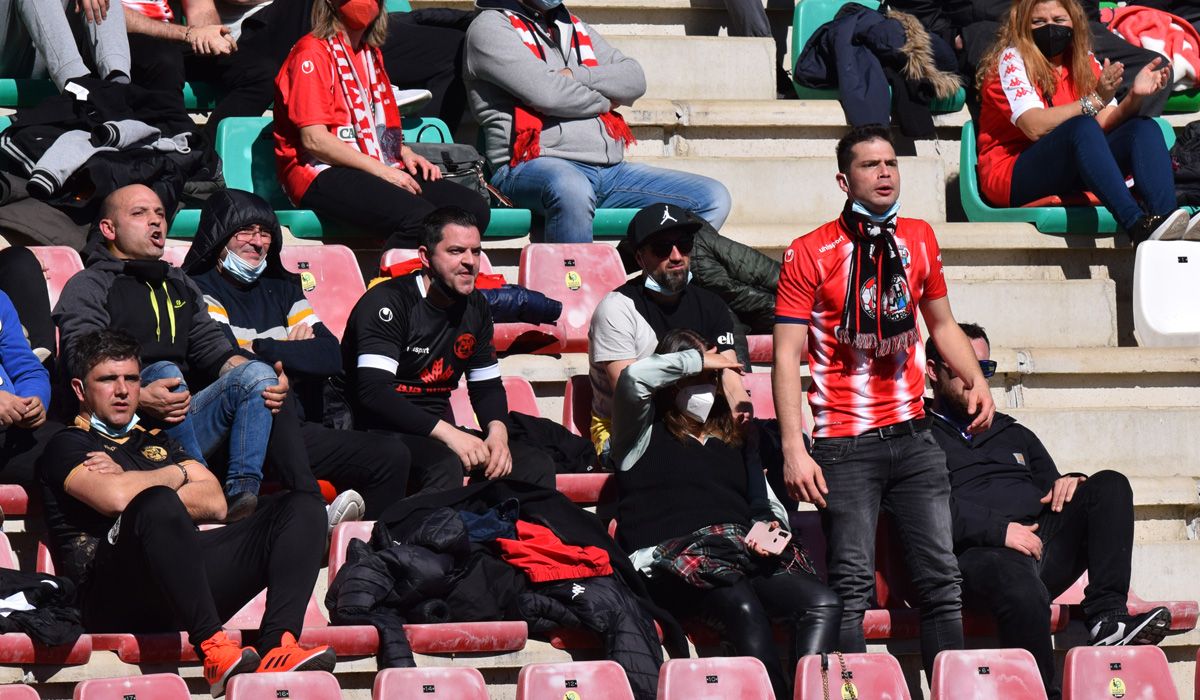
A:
[876,264]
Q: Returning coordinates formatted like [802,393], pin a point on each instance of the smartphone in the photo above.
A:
[770,540]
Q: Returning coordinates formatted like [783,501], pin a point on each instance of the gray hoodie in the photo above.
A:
[500,72]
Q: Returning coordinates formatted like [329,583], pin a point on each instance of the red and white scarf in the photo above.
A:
[363,116]
[527,124]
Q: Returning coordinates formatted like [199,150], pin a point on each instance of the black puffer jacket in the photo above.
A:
[744,278]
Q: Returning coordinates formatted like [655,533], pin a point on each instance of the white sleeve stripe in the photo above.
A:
[382,362]
[1022,95]
[484,373]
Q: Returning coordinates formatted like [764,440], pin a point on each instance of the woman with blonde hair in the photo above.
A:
[1049,126]
[690,491]
[338,143]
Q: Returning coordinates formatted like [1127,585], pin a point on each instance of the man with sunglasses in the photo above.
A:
[631,319]
[1024,533]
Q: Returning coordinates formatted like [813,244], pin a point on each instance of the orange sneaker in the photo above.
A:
[290,656]
[223,658]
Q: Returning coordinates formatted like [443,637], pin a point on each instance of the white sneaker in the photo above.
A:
[346,507]
[409,101]
[1192,232]
[1172,227]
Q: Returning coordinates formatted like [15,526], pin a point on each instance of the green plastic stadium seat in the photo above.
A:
[1087,220]
[1183,102]
[24,92]
[397,6]
[811,14]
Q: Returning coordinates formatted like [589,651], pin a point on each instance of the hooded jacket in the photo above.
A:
[151,300]
[258,316]
[501,72]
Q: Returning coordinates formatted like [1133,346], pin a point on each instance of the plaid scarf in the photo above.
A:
[876,262]
[365,117]
[527,124]
[716,556]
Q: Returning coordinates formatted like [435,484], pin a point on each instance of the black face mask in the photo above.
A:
[1052,39]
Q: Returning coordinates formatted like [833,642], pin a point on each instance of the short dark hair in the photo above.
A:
[680,339]
[974,331]
[434,225]
[857,135]
[90,349]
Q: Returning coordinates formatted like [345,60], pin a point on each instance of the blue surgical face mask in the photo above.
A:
[877,218]
[543,6]
[241,270]
[110,431]
[653,285]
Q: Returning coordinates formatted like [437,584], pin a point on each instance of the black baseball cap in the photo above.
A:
[659,218]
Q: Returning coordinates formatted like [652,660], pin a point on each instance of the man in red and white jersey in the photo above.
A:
[847,300]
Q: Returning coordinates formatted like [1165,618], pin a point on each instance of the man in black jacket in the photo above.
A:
[1024,533]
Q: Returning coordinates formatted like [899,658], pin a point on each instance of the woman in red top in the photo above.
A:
[1049,125]
[338,143]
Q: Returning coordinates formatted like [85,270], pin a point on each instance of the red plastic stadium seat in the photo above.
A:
[577,405]
[59,262]
[762,348]
[593,680]
[1183,612]
[331,280]
[342,534]
[1078,199]
[14,500]
[576,274]
[156,686]
[587,489]
[1133,672]
[759,386]
[520,398]
[420,683]
[174,253]
[17,691]
[300,685]
[18,648]
[986,674]
[714,678]
[877,676]
[392,256]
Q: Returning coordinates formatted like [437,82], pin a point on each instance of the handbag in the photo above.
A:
[849,691]
[459,163]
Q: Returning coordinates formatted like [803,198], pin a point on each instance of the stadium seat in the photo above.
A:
[247,149]
[876,676]
[576,274]
[1184,613]
[1166,279]
[299,685]
[986,674]
[60,263]
[590,680]
[155,686]
[761,348]
[392,256]
[17,691]
[19,648]
[14,500]
[577,405]
[809,16]
[175,252]
[587,489]
[397,6]
[1130,672]
[331,279]
[759,386]
[420,683]
[714,678]
[25,92]
[520,399]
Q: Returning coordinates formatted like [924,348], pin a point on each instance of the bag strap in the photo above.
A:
[845,673]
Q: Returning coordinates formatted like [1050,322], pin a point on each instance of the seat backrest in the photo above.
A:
[59,263]
[520,399]
[18,691]
[421,683]
[300,685]
[714,678]
[155,686]
[342,534]
[8,558]
[593,680]
[759,386]
[877,676]
[44,563]
[1166,279]
[986,674]
[174,253]
[576,274]
[811,14]
[331,279]
[577,405]
[1131,672]
[391,256]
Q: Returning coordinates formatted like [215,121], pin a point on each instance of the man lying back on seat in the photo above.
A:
[122,504]
[1024,533]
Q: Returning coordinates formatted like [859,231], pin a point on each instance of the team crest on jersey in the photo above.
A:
[154,453]
[464,346]
[789,255]
[895,298]
[307,67]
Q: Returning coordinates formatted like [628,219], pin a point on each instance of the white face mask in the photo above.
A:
[107,430]
[697,400]
[241,270]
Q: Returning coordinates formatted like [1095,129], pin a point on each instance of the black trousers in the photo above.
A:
[21,278]
[430,57]
[164,575]
[20,449]
[435,467]
[374,465]
[1093,533]
[742,613]
[372,203]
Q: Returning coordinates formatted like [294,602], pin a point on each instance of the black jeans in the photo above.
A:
[20,450]
[22,280]
[742,614]
[374,465]
[437,468]
[1093,533]
[907,476]
[164,575]
[376,205]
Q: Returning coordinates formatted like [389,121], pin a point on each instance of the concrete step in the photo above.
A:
[702,67]
[1071,313]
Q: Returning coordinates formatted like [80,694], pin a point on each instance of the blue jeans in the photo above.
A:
[907,476]
[230,410]
[1077,155]
[567,193]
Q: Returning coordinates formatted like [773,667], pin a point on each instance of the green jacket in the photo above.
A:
[743,277]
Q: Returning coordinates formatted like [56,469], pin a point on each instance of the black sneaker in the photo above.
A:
[1121,630]
[1160,227]
[239,506]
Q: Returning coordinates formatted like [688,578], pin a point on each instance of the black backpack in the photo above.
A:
[1185,161]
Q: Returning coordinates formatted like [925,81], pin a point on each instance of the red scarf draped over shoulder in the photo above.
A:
[527,124]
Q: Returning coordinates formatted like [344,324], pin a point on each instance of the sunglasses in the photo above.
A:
[662,248]
[987,366]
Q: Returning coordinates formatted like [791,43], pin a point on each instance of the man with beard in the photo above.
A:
[410,340]
[631,319]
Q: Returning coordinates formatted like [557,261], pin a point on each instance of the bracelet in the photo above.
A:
[187,35]
[1086,106]
[186,478]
